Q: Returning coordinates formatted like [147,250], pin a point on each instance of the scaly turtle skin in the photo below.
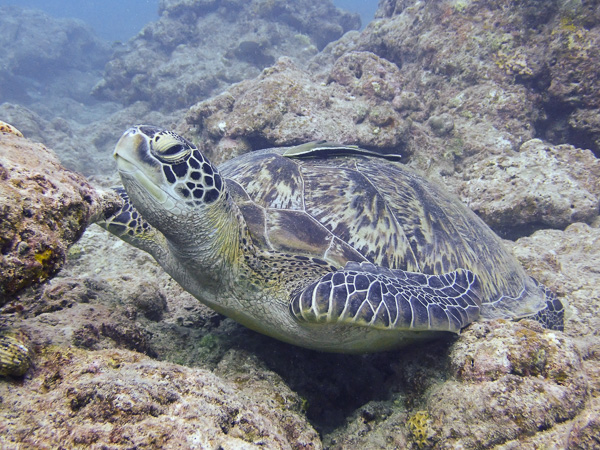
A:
[328,247]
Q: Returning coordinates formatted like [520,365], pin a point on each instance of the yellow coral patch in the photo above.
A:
[7,128]
[44,256]
[419,425]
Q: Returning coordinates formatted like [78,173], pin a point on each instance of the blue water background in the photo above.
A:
[118,20]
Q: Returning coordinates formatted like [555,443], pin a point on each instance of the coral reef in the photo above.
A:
[118,399]
[45,209]
[285,105]
[511,381]
[481,96]
[196,49]
[536,69]
[542,186]
[47,57]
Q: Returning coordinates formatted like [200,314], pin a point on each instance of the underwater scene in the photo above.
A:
[302,224]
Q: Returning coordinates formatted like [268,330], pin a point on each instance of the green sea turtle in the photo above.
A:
[328,247]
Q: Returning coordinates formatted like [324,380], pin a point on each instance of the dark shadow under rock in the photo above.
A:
[336,385]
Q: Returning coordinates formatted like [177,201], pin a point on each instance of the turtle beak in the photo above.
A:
[130,140]
[134,162]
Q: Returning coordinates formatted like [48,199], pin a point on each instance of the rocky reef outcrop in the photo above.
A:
[493,99]
[121,399]
[461,89]
[45,208]
[198,48]
[540,186]
[524,70]
[286,105]
[44,57]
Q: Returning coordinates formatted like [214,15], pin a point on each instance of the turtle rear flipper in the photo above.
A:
[367,295]
[552,316]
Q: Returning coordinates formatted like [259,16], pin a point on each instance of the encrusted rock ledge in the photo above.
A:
[45,208]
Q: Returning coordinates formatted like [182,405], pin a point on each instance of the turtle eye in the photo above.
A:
[173,150]
[169,149]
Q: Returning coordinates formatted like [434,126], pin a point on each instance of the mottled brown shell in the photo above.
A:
[361,208]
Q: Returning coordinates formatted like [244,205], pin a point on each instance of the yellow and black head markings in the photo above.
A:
[326,246]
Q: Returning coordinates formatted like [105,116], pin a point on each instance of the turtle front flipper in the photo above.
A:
[367,295]
[128,224]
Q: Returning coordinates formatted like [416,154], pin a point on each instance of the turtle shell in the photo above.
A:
[361,208]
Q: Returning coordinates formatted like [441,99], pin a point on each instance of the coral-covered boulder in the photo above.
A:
[197,49]
[122,399]
[45,208]
[286,105]
[567,261]
[541,186]
[512,380]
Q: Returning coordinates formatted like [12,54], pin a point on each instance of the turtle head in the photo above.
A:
[167,178]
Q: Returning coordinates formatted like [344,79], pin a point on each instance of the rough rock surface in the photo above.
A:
[121,399]
[467,86]
[542,186]
[567,261]
[196,49]
[528,69]
[511,380]
[285,105]
[43,57]
[45,208]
